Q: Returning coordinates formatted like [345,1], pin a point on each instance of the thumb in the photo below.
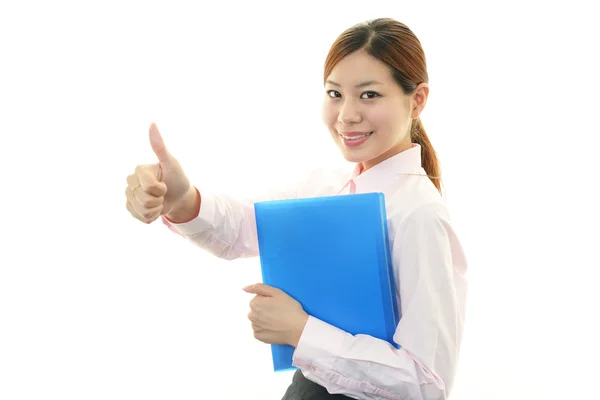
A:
[158,145]
[261,289]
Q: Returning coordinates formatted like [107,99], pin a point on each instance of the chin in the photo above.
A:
[354,156]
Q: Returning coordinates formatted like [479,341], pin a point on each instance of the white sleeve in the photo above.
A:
[226,227]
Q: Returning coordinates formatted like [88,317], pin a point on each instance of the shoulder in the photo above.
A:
[427,223]
[415,199]
[421,224]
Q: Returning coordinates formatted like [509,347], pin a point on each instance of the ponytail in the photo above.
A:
[429,158]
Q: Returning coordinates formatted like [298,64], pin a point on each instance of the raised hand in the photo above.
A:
[156,189]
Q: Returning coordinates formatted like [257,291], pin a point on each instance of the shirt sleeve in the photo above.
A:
[429,266]
[225,226]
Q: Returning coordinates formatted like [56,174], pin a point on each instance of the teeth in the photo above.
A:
[356,137]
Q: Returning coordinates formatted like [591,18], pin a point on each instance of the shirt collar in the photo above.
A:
[382,175]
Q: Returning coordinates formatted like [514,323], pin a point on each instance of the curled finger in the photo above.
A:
[145,205]
[147,176]
[133,212]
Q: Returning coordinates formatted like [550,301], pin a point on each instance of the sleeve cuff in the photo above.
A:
[320,344]
[203,222]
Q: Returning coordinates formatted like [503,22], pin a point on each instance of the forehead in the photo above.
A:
[360,66]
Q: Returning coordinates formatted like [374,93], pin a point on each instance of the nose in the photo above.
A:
[349,113]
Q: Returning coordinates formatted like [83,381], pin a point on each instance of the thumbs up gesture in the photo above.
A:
[156,189]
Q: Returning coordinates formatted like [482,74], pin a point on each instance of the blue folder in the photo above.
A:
[332,255]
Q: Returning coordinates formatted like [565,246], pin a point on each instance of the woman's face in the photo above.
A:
[366,111]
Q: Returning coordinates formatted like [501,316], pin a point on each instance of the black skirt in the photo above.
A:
[304,389]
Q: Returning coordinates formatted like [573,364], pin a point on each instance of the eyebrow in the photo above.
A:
[360,85]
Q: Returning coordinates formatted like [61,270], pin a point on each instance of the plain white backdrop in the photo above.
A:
[96,305]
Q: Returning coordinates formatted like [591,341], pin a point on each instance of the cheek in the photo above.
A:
[387,118]
[377,116]
[329,114]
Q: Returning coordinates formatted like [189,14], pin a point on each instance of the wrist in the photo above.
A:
[297,332]
[187,208]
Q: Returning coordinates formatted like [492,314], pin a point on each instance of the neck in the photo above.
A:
[389,153]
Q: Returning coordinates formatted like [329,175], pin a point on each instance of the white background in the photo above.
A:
[96,305]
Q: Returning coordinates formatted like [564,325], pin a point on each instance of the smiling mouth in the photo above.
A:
[356,137]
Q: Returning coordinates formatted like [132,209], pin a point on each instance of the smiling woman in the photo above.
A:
[375,90]
[365,118]
[381,70]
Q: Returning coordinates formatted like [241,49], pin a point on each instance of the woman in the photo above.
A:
[376,87]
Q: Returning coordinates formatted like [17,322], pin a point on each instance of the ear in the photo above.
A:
[419,100]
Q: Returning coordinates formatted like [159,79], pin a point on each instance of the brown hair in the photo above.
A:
[394,44]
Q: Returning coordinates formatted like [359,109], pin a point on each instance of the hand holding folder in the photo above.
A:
[332,255]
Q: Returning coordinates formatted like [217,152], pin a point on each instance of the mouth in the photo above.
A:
[355,135]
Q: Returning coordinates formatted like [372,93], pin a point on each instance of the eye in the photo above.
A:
[333,93]
[370,95]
